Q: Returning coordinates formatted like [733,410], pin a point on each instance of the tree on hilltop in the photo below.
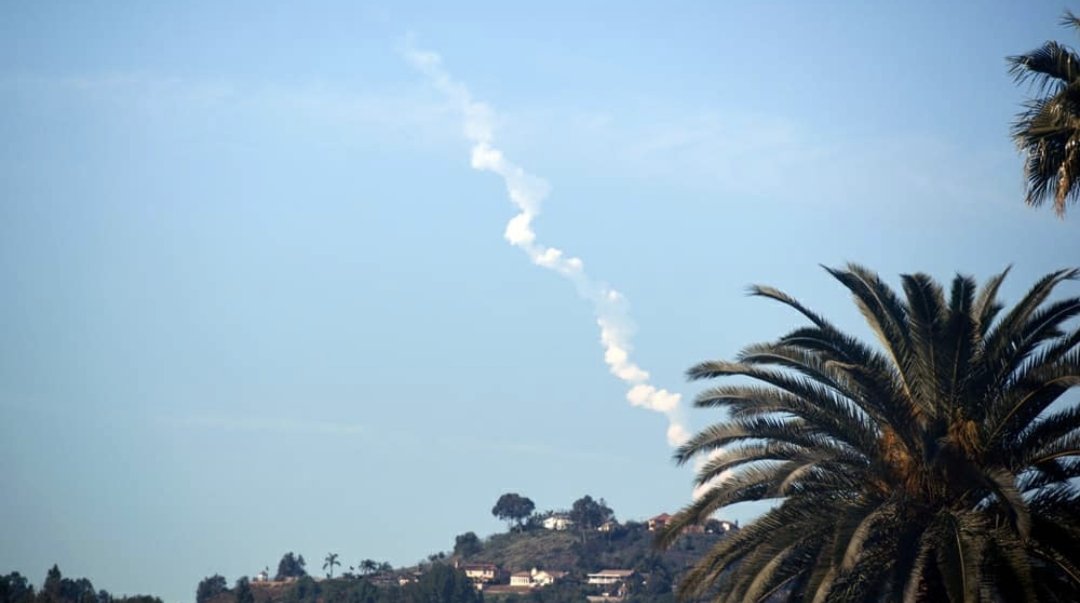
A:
[589,513]
[513,509]
[210,587]
[53,583]
[291,566]
[329,563]
[368,567]
[467,545]
[16,588]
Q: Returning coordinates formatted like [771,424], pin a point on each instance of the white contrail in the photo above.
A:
[527,192]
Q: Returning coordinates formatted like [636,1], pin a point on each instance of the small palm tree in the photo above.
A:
[1048,131]
[940,467]
[368,567]
[329,563]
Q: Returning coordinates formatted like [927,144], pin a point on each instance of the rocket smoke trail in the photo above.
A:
[527,193]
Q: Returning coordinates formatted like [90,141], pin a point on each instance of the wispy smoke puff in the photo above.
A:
[527,192]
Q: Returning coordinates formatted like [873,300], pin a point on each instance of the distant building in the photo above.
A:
[480,573]
[521,579]
[609,576]
[263,576]
[608,526]
[659,522]
[558,522]
[410,577]
[387,579]
[535,578]
[722,526]
[546,577]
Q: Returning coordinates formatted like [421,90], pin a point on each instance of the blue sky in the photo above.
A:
[256,299]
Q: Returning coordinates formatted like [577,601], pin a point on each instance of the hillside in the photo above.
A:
[551,566]
[626,547]
[570,554]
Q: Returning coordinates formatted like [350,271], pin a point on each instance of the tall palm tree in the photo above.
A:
[938,467]
[1048,131]
[329,563]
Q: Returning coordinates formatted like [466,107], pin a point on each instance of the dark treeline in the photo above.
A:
[439,584]
[574,550]
[16,588]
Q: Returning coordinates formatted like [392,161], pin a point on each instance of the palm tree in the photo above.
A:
[1048,131]
[368,567]
[330,562]
[940,467]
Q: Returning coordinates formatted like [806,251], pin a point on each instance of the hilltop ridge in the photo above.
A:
[528,562]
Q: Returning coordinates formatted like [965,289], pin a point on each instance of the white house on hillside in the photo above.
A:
[545,578]
[521,579]
[535,578]
[610,576]
[558,522]
[480,573]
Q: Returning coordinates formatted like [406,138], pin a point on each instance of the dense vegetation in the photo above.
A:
[629,546]
[941,467]
[439,583]
[16,588]
[524,547]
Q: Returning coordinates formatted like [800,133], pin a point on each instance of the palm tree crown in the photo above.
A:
[1048,130]
[938,467]
[329,563]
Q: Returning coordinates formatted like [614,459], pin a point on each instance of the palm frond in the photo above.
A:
[996,349]
[926,320]
[883,310]
[987,306]
[959,341]
[1046,68]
